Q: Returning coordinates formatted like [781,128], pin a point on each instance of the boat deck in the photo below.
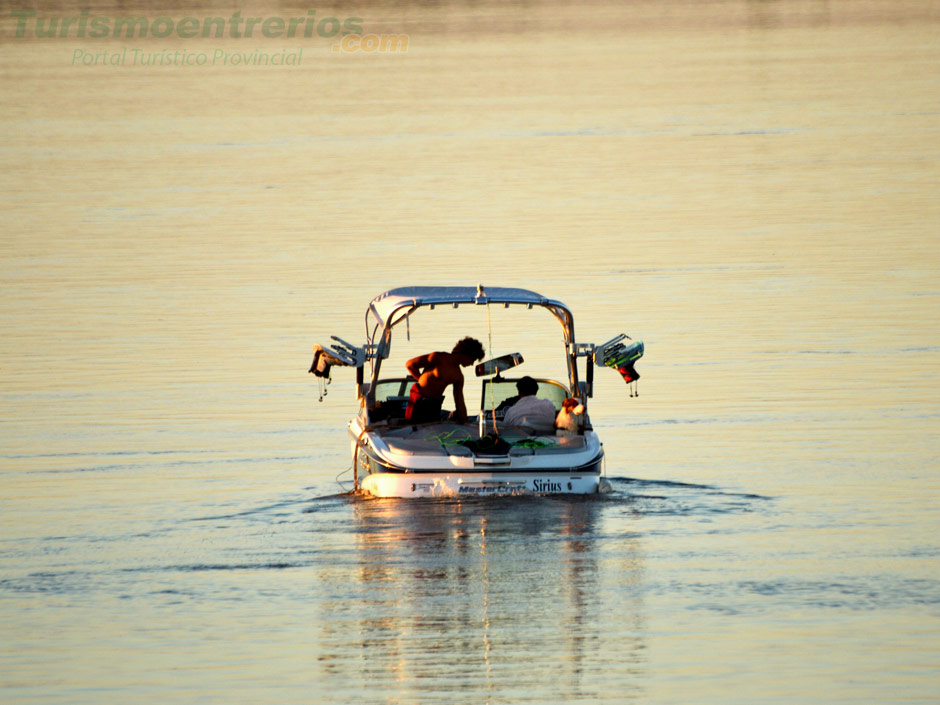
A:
[444,439]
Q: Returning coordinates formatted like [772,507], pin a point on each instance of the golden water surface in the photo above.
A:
[751,186]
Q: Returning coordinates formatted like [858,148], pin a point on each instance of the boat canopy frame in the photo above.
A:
[396,305]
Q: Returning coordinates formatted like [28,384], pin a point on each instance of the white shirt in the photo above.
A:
[538,414]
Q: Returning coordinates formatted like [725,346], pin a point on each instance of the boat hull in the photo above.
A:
[477,484]
[379,478]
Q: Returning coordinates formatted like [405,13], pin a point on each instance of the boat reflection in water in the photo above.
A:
[499,596]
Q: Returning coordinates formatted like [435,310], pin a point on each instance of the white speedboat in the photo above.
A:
[393,457]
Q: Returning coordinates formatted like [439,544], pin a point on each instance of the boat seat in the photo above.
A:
[429,439]
[443,440]
[418,446]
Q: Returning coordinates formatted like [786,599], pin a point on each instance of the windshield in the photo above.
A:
[497,393]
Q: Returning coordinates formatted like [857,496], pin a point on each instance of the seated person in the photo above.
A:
[435,372]
[537,414]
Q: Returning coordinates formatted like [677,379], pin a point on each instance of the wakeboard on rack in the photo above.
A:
[621,353]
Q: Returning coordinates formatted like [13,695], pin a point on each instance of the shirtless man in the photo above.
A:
[435,372]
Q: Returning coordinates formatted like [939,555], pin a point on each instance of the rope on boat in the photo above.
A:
[339,475]
[447,439]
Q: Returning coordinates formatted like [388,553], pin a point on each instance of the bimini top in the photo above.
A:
[380,315]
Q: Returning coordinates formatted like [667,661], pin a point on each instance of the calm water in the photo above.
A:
[751,187]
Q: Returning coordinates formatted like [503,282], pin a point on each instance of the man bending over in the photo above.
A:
[436,371]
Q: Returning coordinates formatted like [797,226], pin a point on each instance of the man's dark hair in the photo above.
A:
[527,387]
[471,347]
